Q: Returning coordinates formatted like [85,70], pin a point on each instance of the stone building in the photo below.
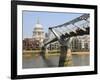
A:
[30,44]
[80,43]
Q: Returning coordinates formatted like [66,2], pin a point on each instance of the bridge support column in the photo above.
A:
[62,56]
[43,52]
[65,57]
[68,60]
[46,52]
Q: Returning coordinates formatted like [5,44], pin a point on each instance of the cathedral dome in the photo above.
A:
[38,26]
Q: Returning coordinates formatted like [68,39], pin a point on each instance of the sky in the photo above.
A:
[46,19]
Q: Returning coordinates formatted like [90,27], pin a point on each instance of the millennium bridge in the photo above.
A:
[63,33]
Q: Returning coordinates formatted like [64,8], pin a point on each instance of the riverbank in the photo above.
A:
[50,53]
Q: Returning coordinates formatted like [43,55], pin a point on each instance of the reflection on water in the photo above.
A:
[52,61]
[80,60]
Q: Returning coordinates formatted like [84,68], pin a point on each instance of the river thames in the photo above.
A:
[53,61]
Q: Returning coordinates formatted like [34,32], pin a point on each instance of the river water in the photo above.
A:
[52,61]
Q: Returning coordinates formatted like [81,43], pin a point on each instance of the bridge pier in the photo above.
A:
[65,55]
[68,60]
[62,57]
[44,52]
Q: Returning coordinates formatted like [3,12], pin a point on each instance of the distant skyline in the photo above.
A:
[46,19]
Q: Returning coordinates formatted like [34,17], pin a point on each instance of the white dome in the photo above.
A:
[38,26]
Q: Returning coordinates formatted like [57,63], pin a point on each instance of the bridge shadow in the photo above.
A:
[47,61]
